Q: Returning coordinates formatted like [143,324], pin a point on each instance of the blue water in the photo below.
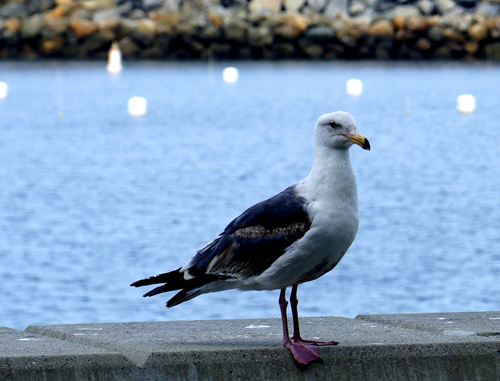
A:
[97,199]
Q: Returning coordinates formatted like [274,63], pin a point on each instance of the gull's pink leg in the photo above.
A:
[302,354]
[296,330]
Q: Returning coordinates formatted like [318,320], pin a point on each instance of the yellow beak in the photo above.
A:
[360,140]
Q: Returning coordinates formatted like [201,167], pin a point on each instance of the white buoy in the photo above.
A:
[230,74]
[3,90]
[354,87]
[137,106]
[114,59]
[466,103]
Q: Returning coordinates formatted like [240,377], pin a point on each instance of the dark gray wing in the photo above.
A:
[255,239]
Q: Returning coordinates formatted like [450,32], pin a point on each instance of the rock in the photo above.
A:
[293,5]
[112,13]
[152,52]
[471,47]
[171,5]
[108,24]
[314,51]
[434,33]
[236,30]
[145,32]
[426,6]
[295,22]
[493,51]
[284,50]
[32,26]
[80,13]
[317,5]
[150,5]
[52,46]
[82,28]
[99,41]
[336,7]
[320,32]
[210,32]
[445,6]
[478,32]
[453,35]
[423,44]
[357,8]
[488,8]
[381,28]
[55,25]
[59,11]
[398,22]
[97,5]
[128,47]
[258,6]
[39,6]
[136,14]
[260,36]
[417,24]
[13,9]
[13,25]
[404,11]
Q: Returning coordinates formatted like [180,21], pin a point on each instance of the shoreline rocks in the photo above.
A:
[254,29]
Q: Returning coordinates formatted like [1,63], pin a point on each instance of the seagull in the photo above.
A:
[291,238]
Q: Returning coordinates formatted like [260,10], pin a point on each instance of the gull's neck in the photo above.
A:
[331,177]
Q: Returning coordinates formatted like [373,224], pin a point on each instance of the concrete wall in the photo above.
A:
[442,346]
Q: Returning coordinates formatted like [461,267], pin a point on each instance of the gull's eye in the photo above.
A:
[334,124]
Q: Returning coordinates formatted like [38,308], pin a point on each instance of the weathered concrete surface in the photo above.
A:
[25,356]
[372,347]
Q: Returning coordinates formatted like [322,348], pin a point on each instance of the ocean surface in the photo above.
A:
[92,199]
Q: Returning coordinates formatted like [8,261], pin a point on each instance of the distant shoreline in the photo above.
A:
[258,29]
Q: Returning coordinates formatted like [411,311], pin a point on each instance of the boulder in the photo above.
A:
[13,9]
[417,24]
[478,32]
[128,47]
[260,36]
[293,5]
[426,6]
[444,6]
[39,6]
[55,25]
[404,11]
[52,46]
[12,24]
[381,28]
[317,5]
[336,7]
[357,8]
[471,47]
[32,26]
[423,44]
[258,6]
[82,28]
[145,31]
[320,32]
[112,13]
[97,5]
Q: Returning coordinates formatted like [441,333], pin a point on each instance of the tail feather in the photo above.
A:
[174,280]
[173,277]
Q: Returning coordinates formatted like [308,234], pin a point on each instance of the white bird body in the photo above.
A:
[293,237]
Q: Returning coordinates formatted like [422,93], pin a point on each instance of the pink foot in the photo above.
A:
[309,343]
[301,353]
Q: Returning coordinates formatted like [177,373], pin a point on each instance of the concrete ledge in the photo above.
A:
[461,346]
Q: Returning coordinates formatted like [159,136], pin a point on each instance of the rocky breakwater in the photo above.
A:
[254,29]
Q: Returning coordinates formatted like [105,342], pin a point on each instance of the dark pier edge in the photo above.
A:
[437,346]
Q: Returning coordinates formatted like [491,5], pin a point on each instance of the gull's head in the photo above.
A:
[338,130]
